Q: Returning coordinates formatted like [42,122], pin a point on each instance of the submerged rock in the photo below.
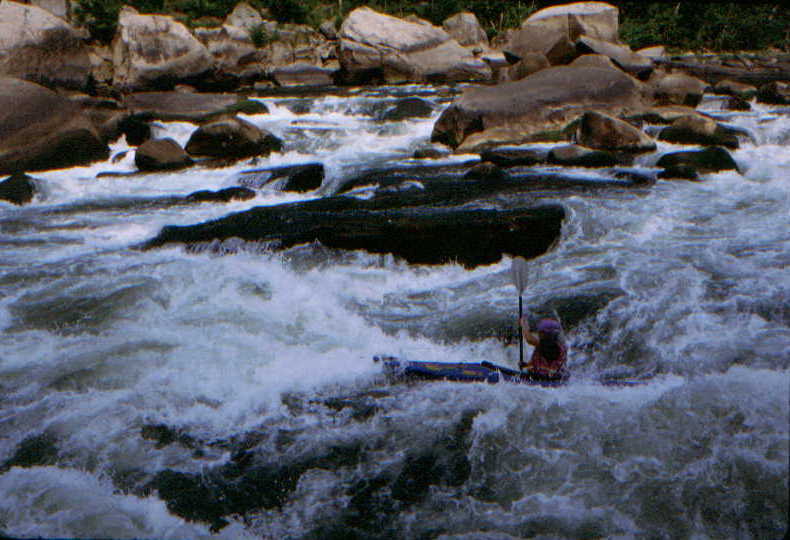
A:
[236,193]
[303,177]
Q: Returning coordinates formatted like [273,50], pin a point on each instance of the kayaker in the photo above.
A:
[550,354]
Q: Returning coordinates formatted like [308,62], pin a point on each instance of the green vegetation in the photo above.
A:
[689,25]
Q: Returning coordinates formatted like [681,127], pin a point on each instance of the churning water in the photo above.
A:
[229,392]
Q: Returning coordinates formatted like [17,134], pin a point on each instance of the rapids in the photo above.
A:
[229,391]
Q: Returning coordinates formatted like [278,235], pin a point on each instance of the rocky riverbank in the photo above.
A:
[562,76]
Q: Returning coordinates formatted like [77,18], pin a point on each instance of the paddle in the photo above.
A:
[519,272]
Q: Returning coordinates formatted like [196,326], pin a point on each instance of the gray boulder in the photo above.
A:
[529,63]
[244,16]
[466,30]
[711,159]
[303,74]
[161,154]
[604,132]
[377,46]
[37,46]
[189,106]
[573,155]
[156,52]
[526,110]
[627,60]
[232,138]
[677,89]
[42,130]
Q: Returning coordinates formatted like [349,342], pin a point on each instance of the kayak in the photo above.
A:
[396,368]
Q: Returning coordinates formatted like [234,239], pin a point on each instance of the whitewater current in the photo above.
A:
[122,369]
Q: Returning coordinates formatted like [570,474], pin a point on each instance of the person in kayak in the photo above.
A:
[550,354]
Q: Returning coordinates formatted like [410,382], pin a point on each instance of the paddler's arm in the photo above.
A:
[530,338]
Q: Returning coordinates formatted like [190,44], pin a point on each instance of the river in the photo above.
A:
[229,392]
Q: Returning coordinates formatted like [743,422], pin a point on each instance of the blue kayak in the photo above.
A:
[488,372]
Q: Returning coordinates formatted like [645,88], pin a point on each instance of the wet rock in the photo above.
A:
[774,93]
[164,435]
[377,46]
[698,130]
[735,103]
[573,155]
[156,52]
[603,132]
[711,159]
[683,172]
[42,130]
[135,130]
[665,115]
[303,74]
[301,178]
[513,157]
[18,189]
[430,152]
[678,89]
[486,171]
[411,107]
[231,137]
[35,451]
[514,112]
[420,236]
[235,193]
[160,155]
[37,46]
[734,88]
[188,106]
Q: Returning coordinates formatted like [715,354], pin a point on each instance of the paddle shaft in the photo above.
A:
[520,333]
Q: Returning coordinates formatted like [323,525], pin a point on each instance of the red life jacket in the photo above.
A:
[544,366]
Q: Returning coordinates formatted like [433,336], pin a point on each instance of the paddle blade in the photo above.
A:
[519,273]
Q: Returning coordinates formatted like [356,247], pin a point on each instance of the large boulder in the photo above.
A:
[521,111]
[679,164]
[528,64]
[156,52]
[553,31]
[466,30]
[160,155]
[244,16]
[234,53]
[377,46]
[41,130]
[232,138]
[627,60]
[678,89]
[604,132]
[189,106]
[37,46]
[302,74]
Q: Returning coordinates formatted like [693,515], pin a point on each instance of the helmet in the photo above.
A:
[549,326]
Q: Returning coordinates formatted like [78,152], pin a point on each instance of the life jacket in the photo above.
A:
[549,368]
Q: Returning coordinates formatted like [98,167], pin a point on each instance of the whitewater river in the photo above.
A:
[230,392]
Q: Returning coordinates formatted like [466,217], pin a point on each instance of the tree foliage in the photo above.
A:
[717,26]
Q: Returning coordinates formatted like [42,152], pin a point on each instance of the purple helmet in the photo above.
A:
[549,326]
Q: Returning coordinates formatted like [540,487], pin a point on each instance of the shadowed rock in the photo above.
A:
[418,235]
[231,137]
[235,193]
[188,106]
[698,130]
[41,130]
[573,155]
[305,177]
[604,132]
[18,189]
[412,107]
[711,159]
[161,154]
[774,93]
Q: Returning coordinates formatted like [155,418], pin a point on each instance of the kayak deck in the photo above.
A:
[488,372]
